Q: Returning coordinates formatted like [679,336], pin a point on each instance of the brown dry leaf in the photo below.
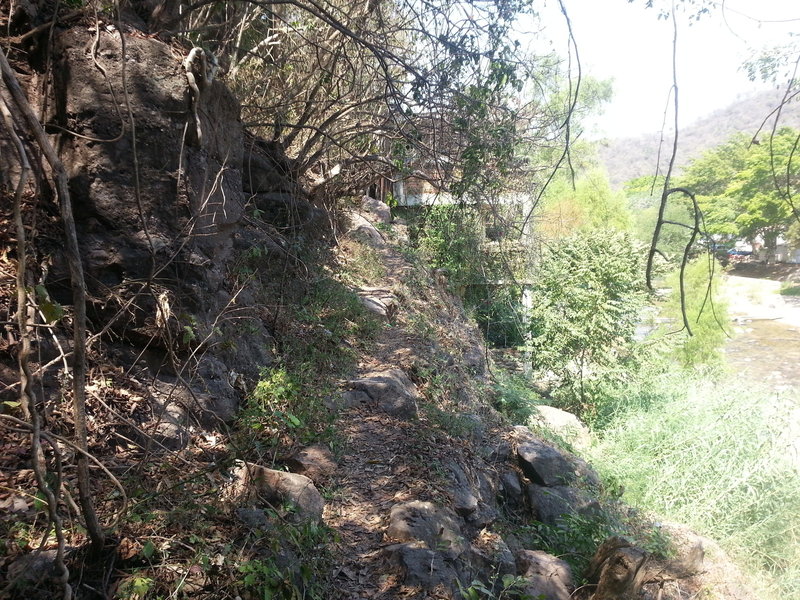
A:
[14,504]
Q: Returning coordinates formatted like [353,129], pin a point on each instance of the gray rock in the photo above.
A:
[362,229]
[490,554]
[354,399]
[437,527]
[213,394]
[315,462]
[421,566]
[392,391]
[464,501]
[33,568]
[500,452]
[254,518]
[379,301]
[170,428]
[251,482]
[378,211]
[543,464]
[564,424]
[549,504]
[546,576]
[512,489]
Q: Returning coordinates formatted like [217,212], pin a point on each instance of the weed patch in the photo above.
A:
[722,459]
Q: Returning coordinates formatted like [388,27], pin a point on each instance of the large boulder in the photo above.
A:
[543,464]
[437,527]
[377,211]
[564,424]
[422,567]
[315,462]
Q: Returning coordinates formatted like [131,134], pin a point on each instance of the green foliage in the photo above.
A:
[270,405]
[744,189]
[451,238]
[505,587]
[303,576]
[134,588]
[498,311]
[514,396]
[718,457]
[706,313]
[575,538]
[789,288]
[587,294]
[585,204]
[454,238]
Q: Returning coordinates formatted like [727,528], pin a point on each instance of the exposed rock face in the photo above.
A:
[161,220]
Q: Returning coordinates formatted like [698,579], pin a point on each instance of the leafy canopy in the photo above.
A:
[746,190]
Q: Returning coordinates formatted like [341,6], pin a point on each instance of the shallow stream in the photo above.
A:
[766,332]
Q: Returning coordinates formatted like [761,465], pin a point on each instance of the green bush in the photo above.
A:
[587,294]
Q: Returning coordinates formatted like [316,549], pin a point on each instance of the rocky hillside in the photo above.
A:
[281,400]
[629,158]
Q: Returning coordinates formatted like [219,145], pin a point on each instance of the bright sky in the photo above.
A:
[627,43]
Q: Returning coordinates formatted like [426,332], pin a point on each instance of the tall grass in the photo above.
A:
[724,459]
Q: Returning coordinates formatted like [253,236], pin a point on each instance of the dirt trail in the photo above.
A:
[389,460]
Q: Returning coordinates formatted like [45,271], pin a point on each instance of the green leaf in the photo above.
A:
[52,311]
[40,501]
[188,334]
[149,549]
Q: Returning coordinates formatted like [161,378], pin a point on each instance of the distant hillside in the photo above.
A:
[628,158]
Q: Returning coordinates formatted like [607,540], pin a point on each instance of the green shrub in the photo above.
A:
[789,288]
[587,296]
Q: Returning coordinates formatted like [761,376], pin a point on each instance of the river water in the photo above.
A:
[765,344]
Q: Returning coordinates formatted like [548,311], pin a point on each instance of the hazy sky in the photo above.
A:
[627,43]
